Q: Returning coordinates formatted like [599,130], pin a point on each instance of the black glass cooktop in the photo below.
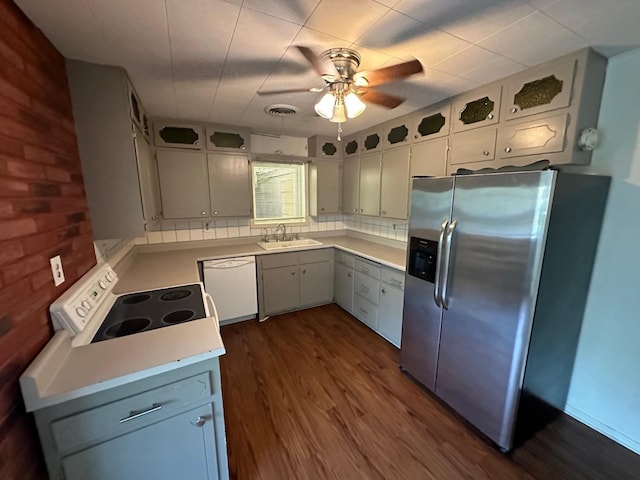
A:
[144,311]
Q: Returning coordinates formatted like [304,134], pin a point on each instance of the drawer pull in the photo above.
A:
[486,153]
[507,150]
[137,414]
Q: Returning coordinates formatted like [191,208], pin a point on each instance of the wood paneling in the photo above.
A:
[43,212]
[314,394]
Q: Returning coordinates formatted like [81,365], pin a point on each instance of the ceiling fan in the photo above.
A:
[345,87]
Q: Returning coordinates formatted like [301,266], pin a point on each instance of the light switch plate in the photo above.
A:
[56,270]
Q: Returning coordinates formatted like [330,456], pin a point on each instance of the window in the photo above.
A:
[278,192]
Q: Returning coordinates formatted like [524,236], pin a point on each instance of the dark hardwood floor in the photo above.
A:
[315,394]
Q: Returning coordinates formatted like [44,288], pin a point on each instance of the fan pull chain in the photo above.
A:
[339,132]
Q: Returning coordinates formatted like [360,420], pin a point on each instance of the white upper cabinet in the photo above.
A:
[371,141]
[324,147]
[228,139]
[397,132]
[478,108]
[351,146]
[430,123]
[184,184]
[229,185]
[168,134]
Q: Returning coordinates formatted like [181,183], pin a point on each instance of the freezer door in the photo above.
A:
[431,200]
[491,287]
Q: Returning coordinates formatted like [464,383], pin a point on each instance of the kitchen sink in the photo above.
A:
[301,242]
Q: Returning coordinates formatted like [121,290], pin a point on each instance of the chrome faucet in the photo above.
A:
[265,234]
[281,226]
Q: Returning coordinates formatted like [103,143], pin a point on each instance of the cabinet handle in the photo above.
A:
[196,143]
[322,209]
[361,210]
[215,212]
[416,136]
[490,116]
[304,271]
[384,290]
[355,210]
[508,149]
[349,274]
[514,110]
[133,414]
[486,153]
[293,273]
[203,213]
[200,421]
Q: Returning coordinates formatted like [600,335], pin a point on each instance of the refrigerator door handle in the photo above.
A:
[447,257]
[436,291]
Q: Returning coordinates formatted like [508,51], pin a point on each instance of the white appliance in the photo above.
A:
[232,284]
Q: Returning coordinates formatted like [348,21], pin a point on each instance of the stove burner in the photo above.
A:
[133,299]
[174,295]
[178,316]
[127,327]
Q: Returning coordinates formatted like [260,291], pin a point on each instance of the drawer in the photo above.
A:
[343,258]
[275,260]
[365,311]
[105,421]
[315,256]
[366,287]
[369,268]
[393,277]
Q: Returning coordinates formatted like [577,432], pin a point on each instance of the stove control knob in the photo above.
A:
[87,304]
[102,284]
[110,276]
[82,312]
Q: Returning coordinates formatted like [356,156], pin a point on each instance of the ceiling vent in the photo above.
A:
[281,110]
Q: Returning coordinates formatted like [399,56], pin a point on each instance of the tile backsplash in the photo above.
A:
[241,227]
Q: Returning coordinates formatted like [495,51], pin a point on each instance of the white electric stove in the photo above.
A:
[92,313]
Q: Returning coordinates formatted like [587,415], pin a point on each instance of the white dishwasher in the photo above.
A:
[232,284]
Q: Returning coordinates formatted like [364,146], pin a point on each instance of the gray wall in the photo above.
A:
[605,388]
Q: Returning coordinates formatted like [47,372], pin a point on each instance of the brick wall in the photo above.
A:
[43,212]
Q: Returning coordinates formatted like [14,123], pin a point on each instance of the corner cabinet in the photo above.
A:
[102,111]
[127,432]
[294,280]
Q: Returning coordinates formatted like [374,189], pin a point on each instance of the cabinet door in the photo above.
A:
[324,187]
[230,185]
[477,146]
[397,133]
[351,185]
[149,181]
[545,135]
[394,183]
[178,447]
[390,313]
[181,136]
[538,90]
[343,286]
[477,109]
[429,159]
[319,146]
[226,139]
[430,123]
[316,283]
[184,184]
[280,289]
[370,184]
[371,141]
[351,146]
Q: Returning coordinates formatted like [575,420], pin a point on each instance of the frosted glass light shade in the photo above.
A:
[324,107]
[339,112]
[354,105]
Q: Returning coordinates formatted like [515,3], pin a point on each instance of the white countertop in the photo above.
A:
[62,372]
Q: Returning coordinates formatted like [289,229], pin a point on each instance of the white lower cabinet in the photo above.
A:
[371,292]
[294,280]
[164,427]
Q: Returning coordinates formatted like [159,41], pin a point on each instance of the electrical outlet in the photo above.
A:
[56,270]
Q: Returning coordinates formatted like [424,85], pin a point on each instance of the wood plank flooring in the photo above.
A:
[317,395]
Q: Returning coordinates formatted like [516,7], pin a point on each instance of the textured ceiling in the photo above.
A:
[204,60]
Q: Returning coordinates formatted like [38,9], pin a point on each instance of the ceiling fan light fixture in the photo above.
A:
[339,111]
[325,106]
[354,105]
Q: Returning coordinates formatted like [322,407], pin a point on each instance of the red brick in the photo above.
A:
[71,190]
[13,167]
[15,292]
[31,205]
[42,242]
[10,146]
[17,228]
[10,187]
[23,268]
[41,278]
[45,189]
[8,54]
[7,209]
[5,324]
[50,221]
[57,174]
[11,91]
[71,204]
[10,251]
[25,311]
[40,155]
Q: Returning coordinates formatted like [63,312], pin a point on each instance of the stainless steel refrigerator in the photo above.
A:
[498,271]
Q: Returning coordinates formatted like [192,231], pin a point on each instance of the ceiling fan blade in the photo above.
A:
[290,90]
[383,99]
[322,67]
[390,74]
